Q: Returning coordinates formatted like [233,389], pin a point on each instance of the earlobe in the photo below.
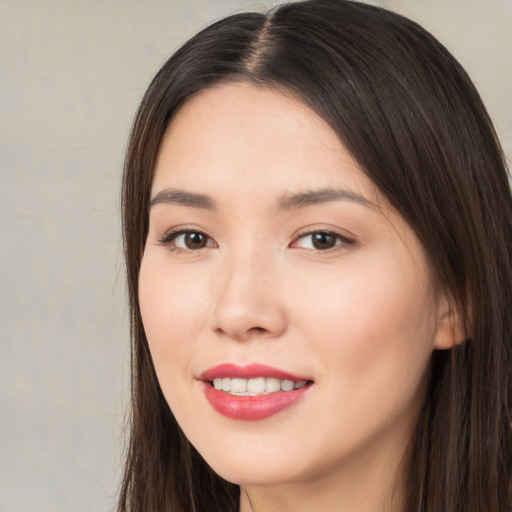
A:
[450,329]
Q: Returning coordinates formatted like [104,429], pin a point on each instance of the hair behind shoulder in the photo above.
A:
[411,117]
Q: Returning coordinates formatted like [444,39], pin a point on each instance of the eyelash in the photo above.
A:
[340,241]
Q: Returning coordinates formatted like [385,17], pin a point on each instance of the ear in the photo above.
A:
[450,326]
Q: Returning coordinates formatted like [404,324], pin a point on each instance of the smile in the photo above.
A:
[252,392]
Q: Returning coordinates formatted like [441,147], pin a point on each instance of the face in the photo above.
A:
[275,272]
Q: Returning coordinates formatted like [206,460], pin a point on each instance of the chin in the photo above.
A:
[253,467]
[256,475]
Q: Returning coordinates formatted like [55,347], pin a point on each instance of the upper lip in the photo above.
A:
[250,371]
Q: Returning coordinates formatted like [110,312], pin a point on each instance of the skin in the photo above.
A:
[360,319]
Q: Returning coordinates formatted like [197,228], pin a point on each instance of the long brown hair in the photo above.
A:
[411,117]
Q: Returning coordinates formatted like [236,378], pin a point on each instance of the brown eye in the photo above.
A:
[323,241]
[194,240]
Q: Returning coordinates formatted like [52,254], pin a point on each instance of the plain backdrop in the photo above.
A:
[71,75]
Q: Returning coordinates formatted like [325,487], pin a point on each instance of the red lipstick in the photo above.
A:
[251,408]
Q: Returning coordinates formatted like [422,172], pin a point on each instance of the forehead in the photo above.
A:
[242,134]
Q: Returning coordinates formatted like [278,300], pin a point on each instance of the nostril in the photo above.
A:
[242,335]
[242,319]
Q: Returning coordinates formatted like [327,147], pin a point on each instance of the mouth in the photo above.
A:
[252,392]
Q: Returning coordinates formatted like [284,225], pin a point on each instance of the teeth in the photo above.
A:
[287,385]
[272,385]
[238,386]
[226,384]
[257,386]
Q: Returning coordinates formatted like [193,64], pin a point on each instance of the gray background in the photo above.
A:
[71,74]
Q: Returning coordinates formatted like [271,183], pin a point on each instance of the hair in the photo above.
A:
[411,117]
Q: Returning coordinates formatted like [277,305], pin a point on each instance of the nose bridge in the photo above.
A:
[247,296]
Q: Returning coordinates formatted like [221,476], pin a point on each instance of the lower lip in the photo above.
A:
[251,408]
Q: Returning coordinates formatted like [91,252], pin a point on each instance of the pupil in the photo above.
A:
[195,240]
[323,240]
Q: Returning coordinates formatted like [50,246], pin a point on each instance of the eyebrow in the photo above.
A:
[289,202]
[182,198]
[310,198]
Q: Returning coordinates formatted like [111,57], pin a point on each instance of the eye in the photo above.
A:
[321,240]
[187,240]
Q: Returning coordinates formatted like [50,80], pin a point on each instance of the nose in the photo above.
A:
[247,303]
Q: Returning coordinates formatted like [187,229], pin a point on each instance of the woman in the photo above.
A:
[318,228]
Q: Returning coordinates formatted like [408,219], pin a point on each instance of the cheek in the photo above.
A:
[371,337]
[172,305]
[374,322]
